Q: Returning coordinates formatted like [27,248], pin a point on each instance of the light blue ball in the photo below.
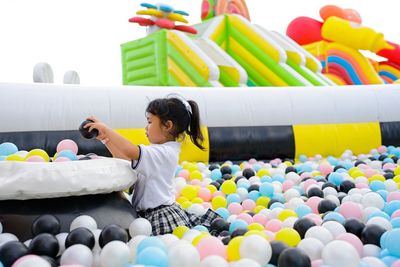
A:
[7,149]
[388,160]
[392,242]
[223,212]
[201,228]
[279,197]
[151,241]
[257,167]
[67,154]
[276,205]
[302,210]
[153,256]
[392,206]
[395,222]
[332,160]
[233,198]
[334,216]
[379,214]
[254,195]
[215,174]
[244,183]
[335,178]
[237,224]
[278,177]
[377,185]
[178,169]
[235,168]
[266,189]
[3,158]
[303,158]
[266,179]
[389,260]
[383,194]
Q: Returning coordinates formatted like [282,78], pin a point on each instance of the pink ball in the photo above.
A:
[245,217]
[67,144]
[309,182]
[382,149]
[184,173]
[61,159]
[218,193]
[35,159]
[270,235]
[206,205]
[252,161]
[317,263]
[273,225]
[313,202]
[195,182]
[350,210]
[395,214]
[315,218]
[248,204]
[325,168]
[352,240]
[389,166]
[370,172]
[396,263]
[210,245]
[305,174]
[260,218]
[204,193]
[287,185]
[235,208]
[361,185]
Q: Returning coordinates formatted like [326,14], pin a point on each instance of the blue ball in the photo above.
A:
[279,197]
[303,158]
[379,214]
[278,177]
[266,189]
[7,149]
[237,224]
[277,205]
[151,241]
[388,160]
[231,198]
[223,212]
[67,154]
[178,169]
[215,174]
[392,242]
[334,216]
[201,228]
[395,222]
[383,193]
[332,160]
[243,183]
[302,210]
[254,195]
[153,256]
[335,178]
[265,179]
[389,260]
[392,206]
[257,167]
[235,168]
[377,185]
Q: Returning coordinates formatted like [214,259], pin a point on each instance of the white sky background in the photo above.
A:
[85,35]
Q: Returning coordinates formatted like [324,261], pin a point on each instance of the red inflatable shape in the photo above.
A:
[391,54]
[142,21]
[184,28]
[304,30]
[164,23]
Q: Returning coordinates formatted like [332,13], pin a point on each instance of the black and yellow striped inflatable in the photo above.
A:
[239,123]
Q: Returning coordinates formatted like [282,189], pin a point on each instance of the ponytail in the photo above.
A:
[194,130]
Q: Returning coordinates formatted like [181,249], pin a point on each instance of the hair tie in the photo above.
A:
[183,100]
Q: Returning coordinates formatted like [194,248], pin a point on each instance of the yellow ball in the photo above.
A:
[195,175]
[197,200]
[396,178]
[233,248]
[288,236]
[257,209]
[256,232]
[212,188]
[288,163]
[197,239]
[242,165]
[284,214]
[353,169]
[356,174]
[189,191]
[14,157]
[256,226]
[262,172]
[181,199]
[190,166]
[186,204]
[376,177]
[262,201]
[218,202]
[228,187]
[397,171]
[180,231]
[40,153]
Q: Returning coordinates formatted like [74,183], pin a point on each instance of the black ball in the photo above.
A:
[277,248]
[238,232]
[44,244]
[80,235]
[226,176]
[354,226]
[253,187]
[388,175]
[338,167]
[248,173]
[224,233]
[85,131]
[346,186]
[213,167]
[382,157]
[358,162]
[11,251]
[315,192]
[328,184]
[220,181]
[218,225]
[251,213]
[294,257]
[226,170]
[85,158]
[302,225]
[290,169]
[395,159]
[112,232]
[216,184]
[46,224]
[52,261]
[326,205]
[341,197]
[371,234]
[226,240]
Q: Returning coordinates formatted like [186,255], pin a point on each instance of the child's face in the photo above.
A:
[156,132]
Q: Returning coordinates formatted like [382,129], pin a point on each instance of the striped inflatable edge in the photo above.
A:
[240,143]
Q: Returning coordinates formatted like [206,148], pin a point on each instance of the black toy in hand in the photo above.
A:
[85,131]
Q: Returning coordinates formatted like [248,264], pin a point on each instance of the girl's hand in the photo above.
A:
[101,127]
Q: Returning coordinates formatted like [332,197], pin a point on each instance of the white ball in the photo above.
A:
[334,227]
[334,199]
[373,199]
[83,221]
[291,193]
[312,247]
[383,222]
[114,253]
[339,253]
[294,177]
[61,242]
[289,222]
[319,233]
[294,203]
[329,191]
[245,263]
[7,237]
[214,261]
[133,244]
[140,226]
[31,260]
[169,239]
[183,254]
[77,254]
[390,185]
[190,235]
[197,209]
[242,192]
[231,218]
[367,211]
[257,248]
[370,250]
[375,262]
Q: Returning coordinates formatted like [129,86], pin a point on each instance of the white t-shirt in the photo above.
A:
[156,171]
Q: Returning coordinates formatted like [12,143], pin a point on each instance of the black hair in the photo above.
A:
[173,109]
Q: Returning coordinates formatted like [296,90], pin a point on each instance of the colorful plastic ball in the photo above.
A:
[340,253]
[350,210]
[35,159]
[257,248]
[312,247]
[7,149]
[67,144]
[77,255]
[140,226]
[83,221]
[112,232]
[223,212]
[302,225]
[116,253]
[371,234]
[321,233]
[354,226]
[40,153]
[215,174]
[371,261]
[286,213]
[46,223]
[12,251]
[204,193]
[248,204]
[180,231]
[236,224]
[392,242]
[276,248]
[67,154]
[29,261]
[289,236]
[235,208]
[183,254]
[352,240]
[233,253]
[233,198]
[211,245]
[292,257]
[219,202]
[81,236]
[44,244]
[302,210]
[213,261]
[370,250]
[228,187]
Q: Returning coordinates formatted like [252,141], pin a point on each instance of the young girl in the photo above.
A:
[154,194]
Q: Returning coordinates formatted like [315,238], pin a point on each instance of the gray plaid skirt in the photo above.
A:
[165,218]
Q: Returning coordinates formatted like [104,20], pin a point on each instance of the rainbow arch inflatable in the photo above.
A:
[239,123]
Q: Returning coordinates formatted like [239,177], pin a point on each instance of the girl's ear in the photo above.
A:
[168,125]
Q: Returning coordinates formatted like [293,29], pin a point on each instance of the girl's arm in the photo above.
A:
[119,146]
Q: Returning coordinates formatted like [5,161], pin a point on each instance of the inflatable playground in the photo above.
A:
[301,159]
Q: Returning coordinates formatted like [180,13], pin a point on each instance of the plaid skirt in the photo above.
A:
[165,218]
